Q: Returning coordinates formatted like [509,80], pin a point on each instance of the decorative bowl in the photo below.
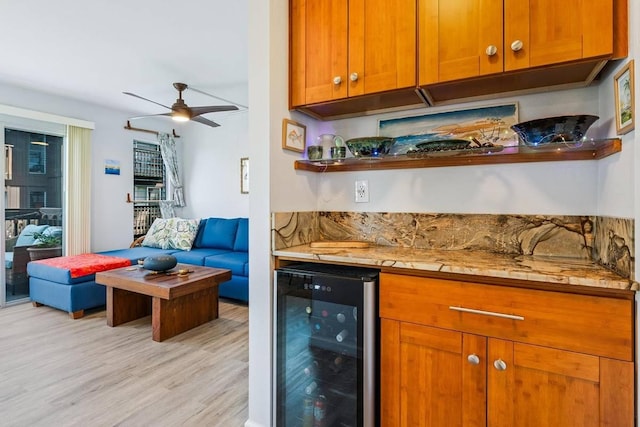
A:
[554,129]
[159,262]
[370,146]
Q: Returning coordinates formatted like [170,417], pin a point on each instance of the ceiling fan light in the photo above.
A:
[180,116]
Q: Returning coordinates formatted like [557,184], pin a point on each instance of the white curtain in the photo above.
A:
[166,209]
[170,158]
[77,223]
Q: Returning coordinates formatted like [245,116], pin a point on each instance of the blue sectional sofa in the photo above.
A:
[218,242]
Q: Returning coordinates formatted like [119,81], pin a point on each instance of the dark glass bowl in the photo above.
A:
[370,146]
[554,129]
[159,262]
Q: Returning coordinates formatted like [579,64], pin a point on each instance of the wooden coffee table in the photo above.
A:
[176,303]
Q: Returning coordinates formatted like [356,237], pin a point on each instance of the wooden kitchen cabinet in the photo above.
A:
[469,354]
[461,39]
[347,48]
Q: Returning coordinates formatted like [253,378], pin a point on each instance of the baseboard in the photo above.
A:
[250,423]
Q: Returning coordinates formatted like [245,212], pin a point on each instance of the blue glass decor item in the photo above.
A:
[159,262]
[370,147]
[554,129]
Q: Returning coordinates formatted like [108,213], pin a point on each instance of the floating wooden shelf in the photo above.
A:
[585,150]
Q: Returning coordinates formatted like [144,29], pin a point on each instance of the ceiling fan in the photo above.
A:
[181,112]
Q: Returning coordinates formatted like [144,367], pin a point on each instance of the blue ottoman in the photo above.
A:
[68,283]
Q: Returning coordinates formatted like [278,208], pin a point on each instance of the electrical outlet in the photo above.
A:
[362,191]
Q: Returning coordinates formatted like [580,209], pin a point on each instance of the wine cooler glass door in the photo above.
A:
[319,340]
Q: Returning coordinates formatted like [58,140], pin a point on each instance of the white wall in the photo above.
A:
[211,167]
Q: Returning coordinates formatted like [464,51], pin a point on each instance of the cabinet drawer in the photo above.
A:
[587,324]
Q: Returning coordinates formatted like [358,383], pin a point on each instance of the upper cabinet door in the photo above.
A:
[545,32]
[459,39]
[345,48]
[382,45]
[318,50]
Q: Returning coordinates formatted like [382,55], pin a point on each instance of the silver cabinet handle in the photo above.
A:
[491,50]
[473,359]
[500,365]
[353,77]
[337,80]
[486,313]
[516,45]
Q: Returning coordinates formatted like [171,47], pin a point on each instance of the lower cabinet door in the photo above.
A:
[536,386]
[431,377]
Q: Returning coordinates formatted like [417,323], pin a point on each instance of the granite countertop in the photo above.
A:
[563,271]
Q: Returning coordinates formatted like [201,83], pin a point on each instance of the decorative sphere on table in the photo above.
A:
[159,262]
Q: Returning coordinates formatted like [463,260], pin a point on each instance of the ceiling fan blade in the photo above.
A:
[196,111]
[217,97]
[145,99]
[205,121]
[149,115]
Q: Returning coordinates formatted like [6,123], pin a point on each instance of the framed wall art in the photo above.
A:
[244,175]
[293,135]
[487,125]
[624,99]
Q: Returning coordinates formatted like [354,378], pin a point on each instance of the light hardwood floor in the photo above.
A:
[55,371]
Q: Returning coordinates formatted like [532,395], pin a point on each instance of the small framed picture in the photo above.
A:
[624,99]
[244,175]
[293,135]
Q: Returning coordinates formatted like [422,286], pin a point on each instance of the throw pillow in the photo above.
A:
[182,233]
[242,236]
[26,235]
[158,234]
[219,233]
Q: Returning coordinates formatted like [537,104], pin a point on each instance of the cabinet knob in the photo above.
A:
[353,77]
[473,359]
[491,50]
[337,80]
[516,45]
[500,365]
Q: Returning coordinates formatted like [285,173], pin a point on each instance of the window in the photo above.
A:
[38,157]
[148,185]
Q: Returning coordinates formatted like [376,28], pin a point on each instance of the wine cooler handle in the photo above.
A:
[486,313]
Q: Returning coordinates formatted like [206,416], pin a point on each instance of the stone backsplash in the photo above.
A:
[607,241]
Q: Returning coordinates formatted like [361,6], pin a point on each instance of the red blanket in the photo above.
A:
[85,264]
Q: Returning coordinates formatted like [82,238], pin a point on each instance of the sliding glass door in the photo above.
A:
[33,198]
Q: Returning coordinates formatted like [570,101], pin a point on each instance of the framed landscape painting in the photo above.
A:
[624,99]
[487,125]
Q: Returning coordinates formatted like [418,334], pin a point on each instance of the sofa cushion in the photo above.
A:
[74,268]
[171,233]
[234,261]
[217,233]
[139,252]
[25,238]
[196,256]
[242,236]
[8,260]
[50,231]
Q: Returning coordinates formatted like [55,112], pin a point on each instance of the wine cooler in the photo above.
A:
[325,352]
